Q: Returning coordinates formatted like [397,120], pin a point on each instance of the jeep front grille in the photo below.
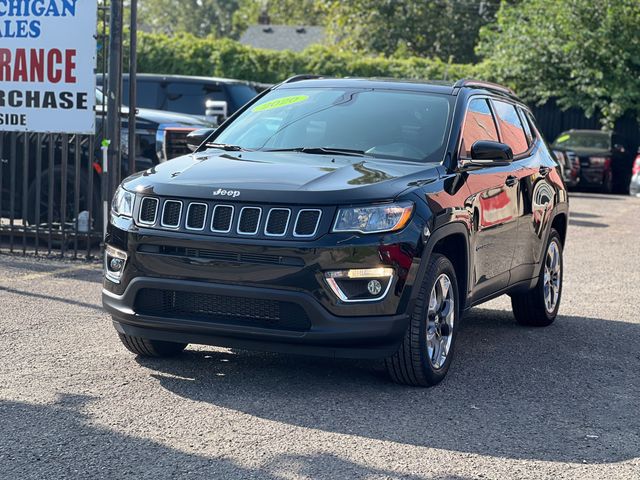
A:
[239,220]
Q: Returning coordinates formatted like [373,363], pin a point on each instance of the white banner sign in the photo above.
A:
[47,61]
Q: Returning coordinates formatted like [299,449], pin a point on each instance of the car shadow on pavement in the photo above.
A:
[569,392]
[60,441]
[587,224]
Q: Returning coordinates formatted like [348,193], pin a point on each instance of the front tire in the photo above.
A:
[426,352]
[146,347]
[539,307]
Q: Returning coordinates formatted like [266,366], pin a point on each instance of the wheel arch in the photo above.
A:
[452,241]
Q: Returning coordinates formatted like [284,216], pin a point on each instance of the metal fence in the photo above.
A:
[51,198]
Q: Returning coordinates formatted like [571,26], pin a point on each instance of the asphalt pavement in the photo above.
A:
[559,402]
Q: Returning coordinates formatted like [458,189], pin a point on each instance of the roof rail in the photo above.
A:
[469,82]
[303,76]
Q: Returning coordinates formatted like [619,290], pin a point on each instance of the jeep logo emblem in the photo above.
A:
[226,193]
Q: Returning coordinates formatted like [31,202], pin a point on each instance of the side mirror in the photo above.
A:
[216,111]
[618,148]
[197,137]
[488,150]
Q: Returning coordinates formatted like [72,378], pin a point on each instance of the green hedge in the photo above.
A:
[189,55]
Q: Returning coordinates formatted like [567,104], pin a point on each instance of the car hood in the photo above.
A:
[296,178]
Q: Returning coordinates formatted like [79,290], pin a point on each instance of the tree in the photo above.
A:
[199,17]
[447,29]
[583,53]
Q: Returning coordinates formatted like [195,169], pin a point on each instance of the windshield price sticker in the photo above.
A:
[280,102]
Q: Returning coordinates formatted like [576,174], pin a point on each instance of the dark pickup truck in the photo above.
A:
[28,177]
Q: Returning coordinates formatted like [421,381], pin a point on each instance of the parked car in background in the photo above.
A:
[209,98]
[634,188]
[604,158]
[160,136]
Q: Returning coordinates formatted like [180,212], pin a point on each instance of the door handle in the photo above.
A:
[511,181]
[544,171]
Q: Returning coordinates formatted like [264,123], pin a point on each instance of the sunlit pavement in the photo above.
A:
[560,402]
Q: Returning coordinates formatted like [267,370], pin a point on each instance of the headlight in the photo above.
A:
[374,218]
[122,203]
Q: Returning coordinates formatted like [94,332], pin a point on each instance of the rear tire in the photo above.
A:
[426,352]
[146,347]
[539,307]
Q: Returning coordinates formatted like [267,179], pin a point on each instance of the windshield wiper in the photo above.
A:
[225,146]
[321,151]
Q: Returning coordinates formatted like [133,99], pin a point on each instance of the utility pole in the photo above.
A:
[133,71]
[114,98]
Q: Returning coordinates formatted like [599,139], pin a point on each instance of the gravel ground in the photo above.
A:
[560,402]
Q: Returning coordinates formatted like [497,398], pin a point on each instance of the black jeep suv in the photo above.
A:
[342,217]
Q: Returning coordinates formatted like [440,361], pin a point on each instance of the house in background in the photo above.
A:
[281,37]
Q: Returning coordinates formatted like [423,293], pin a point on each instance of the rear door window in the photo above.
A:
[478,125]
[511,130]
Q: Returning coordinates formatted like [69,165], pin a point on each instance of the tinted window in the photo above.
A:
[190,97]
[478,125]
[146,93]
[511,131]
[381,123]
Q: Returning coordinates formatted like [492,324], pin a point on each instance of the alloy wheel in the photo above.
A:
[552,277]
[440,319]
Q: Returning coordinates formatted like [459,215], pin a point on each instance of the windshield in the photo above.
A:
[380,123]
[583,140]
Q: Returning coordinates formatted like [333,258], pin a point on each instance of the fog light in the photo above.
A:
[374,287]
[114,262]
[360,284]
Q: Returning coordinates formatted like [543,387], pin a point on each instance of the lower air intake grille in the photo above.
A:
[222,309]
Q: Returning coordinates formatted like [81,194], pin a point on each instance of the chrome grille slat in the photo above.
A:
[196,216]
[148,211]
[249,222]
[277,224]
[222,218]
[307,222]
[171,214]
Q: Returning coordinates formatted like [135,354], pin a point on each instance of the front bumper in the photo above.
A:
[328,335]
[360,330]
